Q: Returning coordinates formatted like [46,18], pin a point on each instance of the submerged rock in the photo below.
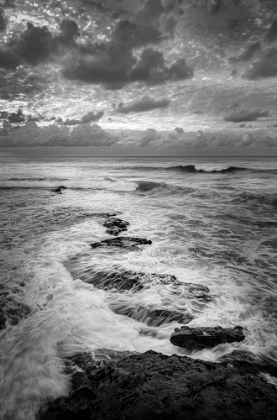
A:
[122,242]
[115,226]
[121,385]
[204,337]
[123,280]
[12,311]
[153,317]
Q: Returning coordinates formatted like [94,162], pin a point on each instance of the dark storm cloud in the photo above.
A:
[271,34]
[3,21]
[89,117]
[266,67]
[143,105]
[37,45]
[136,34]
[246,115]
[248,53]
[116,66]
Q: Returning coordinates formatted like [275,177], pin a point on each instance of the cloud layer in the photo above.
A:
[143,105]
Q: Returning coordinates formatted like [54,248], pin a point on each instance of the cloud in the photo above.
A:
[266,67]
[246,115]
[149,136]
[38,45]
[92,135]
[143,105]
[151,68]
[179,130]
[271,34]
[31,135]
[270,142]
[247,140]
[3,20]
[248,53]
[89,117]
[114,66]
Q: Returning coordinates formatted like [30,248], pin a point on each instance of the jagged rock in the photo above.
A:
[204,337]
[122,242]
[153,317]
[122,385]
[115,226]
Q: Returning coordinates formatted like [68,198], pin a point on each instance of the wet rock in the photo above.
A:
[122,242]
[58,190]
[115,226]
[205,337]
[152,317]
[122,385]
[121,280]
[12,311]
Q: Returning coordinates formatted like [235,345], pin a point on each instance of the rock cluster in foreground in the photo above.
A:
[152,386]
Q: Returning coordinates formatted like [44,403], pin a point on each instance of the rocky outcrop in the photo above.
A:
[121,385]
[204,337]
[153,317]
[122,242]
[115,226]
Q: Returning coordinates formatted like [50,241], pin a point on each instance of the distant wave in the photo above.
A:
[105,185]
[192,169]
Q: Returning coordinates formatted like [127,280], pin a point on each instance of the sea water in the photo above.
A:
[212,222]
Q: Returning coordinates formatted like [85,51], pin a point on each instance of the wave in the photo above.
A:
[258,199]
[193,169]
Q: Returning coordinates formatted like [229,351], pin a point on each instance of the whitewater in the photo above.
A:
[212,223]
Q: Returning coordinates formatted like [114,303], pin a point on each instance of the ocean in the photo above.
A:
[212,223]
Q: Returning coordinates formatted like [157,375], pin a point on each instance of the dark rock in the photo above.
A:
[121,280]
[122,242]
[204,337]
[151,316]
[115,226]
[12,311]
[59,189]
[125,386]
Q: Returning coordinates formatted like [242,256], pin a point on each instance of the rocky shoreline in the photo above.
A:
[122,385]
[142,386]
[114,385]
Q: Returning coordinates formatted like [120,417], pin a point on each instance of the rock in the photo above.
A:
[59,189]
[204,337]
[121,280]
[12,311]
[144,386]
[153,317]
[115,226]
[122,242]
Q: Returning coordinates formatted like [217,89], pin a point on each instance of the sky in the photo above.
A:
[138,78]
